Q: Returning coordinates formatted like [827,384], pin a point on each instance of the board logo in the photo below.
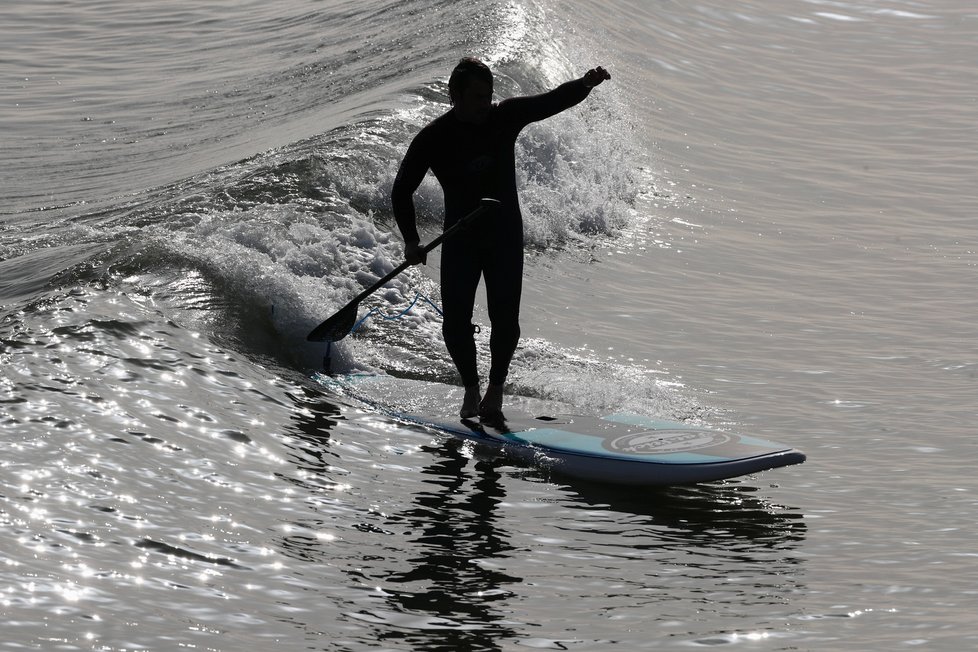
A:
[658,442]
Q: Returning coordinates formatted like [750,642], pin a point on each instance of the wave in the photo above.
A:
[281,239]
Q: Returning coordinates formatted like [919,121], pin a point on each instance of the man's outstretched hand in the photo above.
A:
[595,76]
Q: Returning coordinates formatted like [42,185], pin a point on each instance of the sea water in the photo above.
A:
[763,222]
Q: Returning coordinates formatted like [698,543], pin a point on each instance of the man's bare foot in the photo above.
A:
[470,404]
[491,407]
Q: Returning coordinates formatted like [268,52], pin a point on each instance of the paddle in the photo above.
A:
[338,326]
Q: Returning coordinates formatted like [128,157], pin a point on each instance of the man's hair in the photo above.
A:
[467,69]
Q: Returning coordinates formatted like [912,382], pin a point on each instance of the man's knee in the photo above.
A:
[458,328]
[506,331]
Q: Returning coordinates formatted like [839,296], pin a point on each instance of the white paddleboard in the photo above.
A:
[621,448]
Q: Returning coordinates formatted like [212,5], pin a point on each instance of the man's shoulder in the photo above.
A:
[434,130]
[513,109]
[439,133]
[443,122]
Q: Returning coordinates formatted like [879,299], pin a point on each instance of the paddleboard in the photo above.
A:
[616,448]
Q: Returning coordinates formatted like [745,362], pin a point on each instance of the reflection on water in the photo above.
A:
[453,580]
[717,511]
[434,585]
[452,551]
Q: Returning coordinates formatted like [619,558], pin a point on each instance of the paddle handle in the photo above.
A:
[485,205]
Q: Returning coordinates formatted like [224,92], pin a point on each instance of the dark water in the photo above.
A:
[765,222]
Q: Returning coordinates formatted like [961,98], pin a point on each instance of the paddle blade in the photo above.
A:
[336,327]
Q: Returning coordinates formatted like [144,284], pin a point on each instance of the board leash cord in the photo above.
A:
[376,311]
[418,296]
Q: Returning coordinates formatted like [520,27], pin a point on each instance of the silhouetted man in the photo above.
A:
[471,151]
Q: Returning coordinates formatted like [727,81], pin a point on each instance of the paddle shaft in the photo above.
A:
[485,206]
[339,324]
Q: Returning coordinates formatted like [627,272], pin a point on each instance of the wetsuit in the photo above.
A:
[472,161]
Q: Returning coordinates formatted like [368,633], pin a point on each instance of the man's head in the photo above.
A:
[470,90]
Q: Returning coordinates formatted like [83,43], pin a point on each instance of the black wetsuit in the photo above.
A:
[472,161]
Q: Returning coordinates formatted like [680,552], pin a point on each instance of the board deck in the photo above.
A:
[619,448]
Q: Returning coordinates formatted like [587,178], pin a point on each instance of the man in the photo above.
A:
[471,151]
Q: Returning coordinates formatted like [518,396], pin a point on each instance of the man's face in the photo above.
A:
[474,102]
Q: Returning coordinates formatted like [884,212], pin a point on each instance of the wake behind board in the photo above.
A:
[620,448]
